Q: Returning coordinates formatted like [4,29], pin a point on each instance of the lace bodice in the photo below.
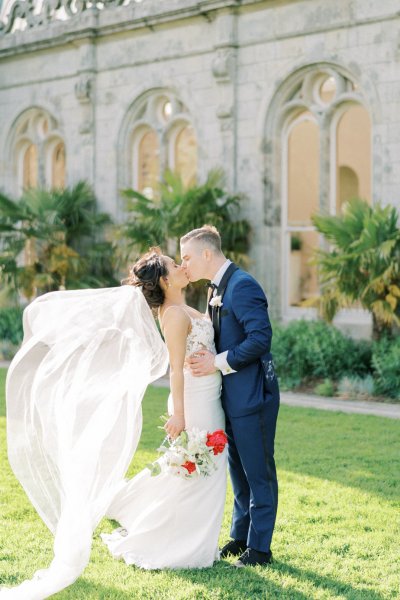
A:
[201,335]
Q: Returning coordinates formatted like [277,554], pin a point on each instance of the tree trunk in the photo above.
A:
[379,328]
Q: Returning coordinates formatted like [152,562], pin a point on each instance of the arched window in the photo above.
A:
[37,151]
[148,164]
[353,155]
[58,166]
[157,134]
[186,155]
[30,166]
[325,161]
[302,202]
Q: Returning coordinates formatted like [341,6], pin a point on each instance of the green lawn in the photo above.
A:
[337,533]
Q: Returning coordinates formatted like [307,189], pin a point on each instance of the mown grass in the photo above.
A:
[337,533]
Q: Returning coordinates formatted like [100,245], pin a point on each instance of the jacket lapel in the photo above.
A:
[209,308]
[215,312]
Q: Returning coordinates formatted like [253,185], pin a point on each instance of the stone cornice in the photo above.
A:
[94,22]
[45,30]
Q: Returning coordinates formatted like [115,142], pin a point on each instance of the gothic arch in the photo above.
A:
[273,116]
[159,110]
[300,93]
[36,127]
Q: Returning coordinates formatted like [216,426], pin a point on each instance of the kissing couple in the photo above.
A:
[74,393]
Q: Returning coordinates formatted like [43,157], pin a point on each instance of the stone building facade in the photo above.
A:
[297,100]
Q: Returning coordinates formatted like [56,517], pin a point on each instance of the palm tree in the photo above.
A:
[52,239]
[362,264]
[176,210]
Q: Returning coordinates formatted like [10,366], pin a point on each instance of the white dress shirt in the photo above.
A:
[221,272]
[220,361]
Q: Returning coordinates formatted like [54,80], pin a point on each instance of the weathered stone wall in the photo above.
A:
[228,61]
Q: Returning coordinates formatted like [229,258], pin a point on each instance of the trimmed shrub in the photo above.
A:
[325,389]
[386,367]
[11,325]
[314,349]
[354,388]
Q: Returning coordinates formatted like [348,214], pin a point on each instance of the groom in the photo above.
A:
[250,393]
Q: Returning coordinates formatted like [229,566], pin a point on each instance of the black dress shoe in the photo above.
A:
[234,547]
[251,558]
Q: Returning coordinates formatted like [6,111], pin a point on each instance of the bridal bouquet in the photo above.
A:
[191,454]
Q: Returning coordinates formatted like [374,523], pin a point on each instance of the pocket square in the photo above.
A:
[269,370]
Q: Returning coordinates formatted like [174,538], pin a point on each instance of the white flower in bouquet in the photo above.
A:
[190,454]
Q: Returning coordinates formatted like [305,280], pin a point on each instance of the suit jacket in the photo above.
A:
[242,327]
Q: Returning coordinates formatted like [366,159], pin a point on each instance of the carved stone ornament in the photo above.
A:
[86,126]
[83,89]
[24,10]
[222,65]
[224,112]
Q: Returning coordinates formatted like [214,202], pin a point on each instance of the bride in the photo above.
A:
[169,522]
[74,393]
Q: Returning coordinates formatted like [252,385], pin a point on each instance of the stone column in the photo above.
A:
[224,69]
[85,95]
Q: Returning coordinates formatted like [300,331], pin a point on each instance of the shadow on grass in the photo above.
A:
[333,585]
[233,583]
[249,583]
[84,589]
[357,451]
[227,581]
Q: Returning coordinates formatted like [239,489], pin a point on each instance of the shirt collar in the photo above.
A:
[221,272]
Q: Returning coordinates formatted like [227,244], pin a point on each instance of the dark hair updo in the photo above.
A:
[146,273]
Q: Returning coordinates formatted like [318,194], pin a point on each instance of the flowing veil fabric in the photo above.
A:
[74,393]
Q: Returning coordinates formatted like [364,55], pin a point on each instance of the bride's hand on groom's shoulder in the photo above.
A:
[201,363]
[175,425]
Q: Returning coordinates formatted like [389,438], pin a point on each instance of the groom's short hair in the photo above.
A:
[208,235]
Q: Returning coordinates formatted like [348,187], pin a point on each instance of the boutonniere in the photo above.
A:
[216,301]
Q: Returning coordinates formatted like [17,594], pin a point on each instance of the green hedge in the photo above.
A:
[11,325]
[313,349]
[386,367]
[306,350]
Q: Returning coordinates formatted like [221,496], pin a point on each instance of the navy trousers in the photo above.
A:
[253,474]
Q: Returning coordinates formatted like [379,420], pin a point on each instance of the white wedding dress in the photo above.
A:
[168,521]
[74,393]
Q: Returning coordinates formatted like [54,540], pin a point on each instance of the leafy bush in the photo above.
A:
[7,350]
[386,367]
[11,325]
[326,388]
[354,388]
[314,349]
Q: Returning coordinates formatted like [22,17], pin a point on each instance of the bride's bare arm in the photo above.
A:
[176,326]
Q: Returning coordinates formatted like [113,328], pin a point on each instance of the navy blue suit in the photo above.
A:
[250,398]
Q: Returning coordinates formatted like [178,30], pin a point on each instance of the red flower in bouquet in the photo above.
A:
[190,466]
[217,441]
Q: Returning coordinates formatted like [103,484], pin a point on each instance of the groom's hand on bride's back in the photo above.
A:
[201,363]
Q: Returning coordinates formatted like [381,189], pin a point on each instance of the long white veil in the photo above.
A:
[74,393]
